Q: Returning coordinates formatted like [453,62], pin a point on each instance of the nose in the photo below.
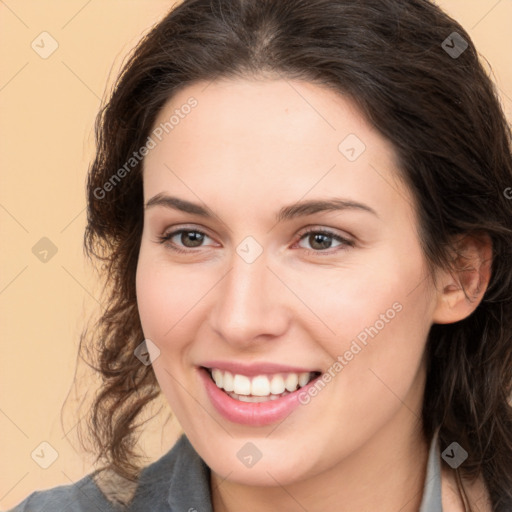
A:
[250,304]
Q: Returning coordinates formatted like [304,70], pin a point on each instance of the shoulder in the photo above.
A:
[179,480]
[82,496]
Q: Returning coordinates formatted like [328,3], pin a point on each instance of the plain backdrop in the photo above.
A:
[48,102]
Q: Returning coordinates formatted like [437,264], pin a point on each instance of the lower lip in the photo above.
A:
[256,414]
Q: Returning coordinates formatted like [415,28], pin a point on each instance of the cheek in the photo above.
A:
[371,296]
[169,299]
[376,362]
[379,318]
[152,300]
[160,296]
[164,297]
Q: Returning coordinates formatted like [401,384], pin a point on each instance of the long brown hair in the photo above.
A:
[441,112]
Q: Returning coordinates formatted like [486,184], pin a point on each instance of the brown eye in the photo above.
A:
[191,238]
[321,240]
[186,238]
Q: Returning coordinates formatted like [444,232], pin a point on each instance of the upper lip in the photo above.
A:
[253,369]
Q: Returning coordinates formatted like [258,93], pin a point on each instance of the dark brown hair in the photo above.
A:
[441,113]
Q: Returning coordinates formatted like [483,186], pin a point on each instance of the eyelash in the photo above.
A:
[165,240]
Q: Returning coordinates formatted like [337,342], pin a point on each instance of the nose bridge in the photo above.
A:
[249,303]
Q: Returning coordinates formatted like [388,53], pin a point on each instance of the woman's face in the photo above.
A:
[279,244]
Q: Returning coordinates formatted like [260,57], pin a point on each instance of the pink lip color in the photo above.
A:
[253,414]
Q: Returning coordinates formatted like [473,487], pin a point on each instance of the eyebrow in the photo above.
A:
[299,209]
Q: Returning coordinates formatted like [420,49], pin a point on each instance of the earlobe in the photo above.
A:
[461,289]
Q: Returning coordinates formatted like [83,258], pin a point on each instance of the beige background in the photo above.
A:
[46,141]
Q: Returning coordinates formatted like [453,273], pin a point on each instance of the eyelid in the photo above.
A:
[327,231]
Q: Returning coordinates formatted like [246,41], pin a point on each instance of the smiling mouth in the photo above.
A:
[260,388]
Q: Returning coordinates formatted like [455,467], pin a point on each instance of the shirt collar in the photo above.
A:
[431,501]
[190,480]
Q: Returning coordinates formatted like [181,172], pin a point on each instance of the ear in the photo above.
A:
[461,289]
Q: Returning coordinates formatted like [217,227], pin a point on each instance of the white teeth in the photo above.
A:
[217,377]
[253,399]
[241,385]
[303,379]
[261,387]
[291,382]
[277,385]
[228,381]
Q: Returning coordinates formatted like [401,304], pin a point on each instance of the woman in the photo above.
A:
[303,211]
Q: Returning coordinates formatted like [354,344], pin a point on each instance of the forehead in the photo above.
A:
[264,136]
[294,111]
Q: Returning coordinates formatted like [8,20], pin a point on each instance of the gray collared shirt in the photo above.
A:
[178,482]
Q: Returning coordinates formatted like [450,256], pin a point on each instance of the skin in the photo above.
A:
[249,148]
